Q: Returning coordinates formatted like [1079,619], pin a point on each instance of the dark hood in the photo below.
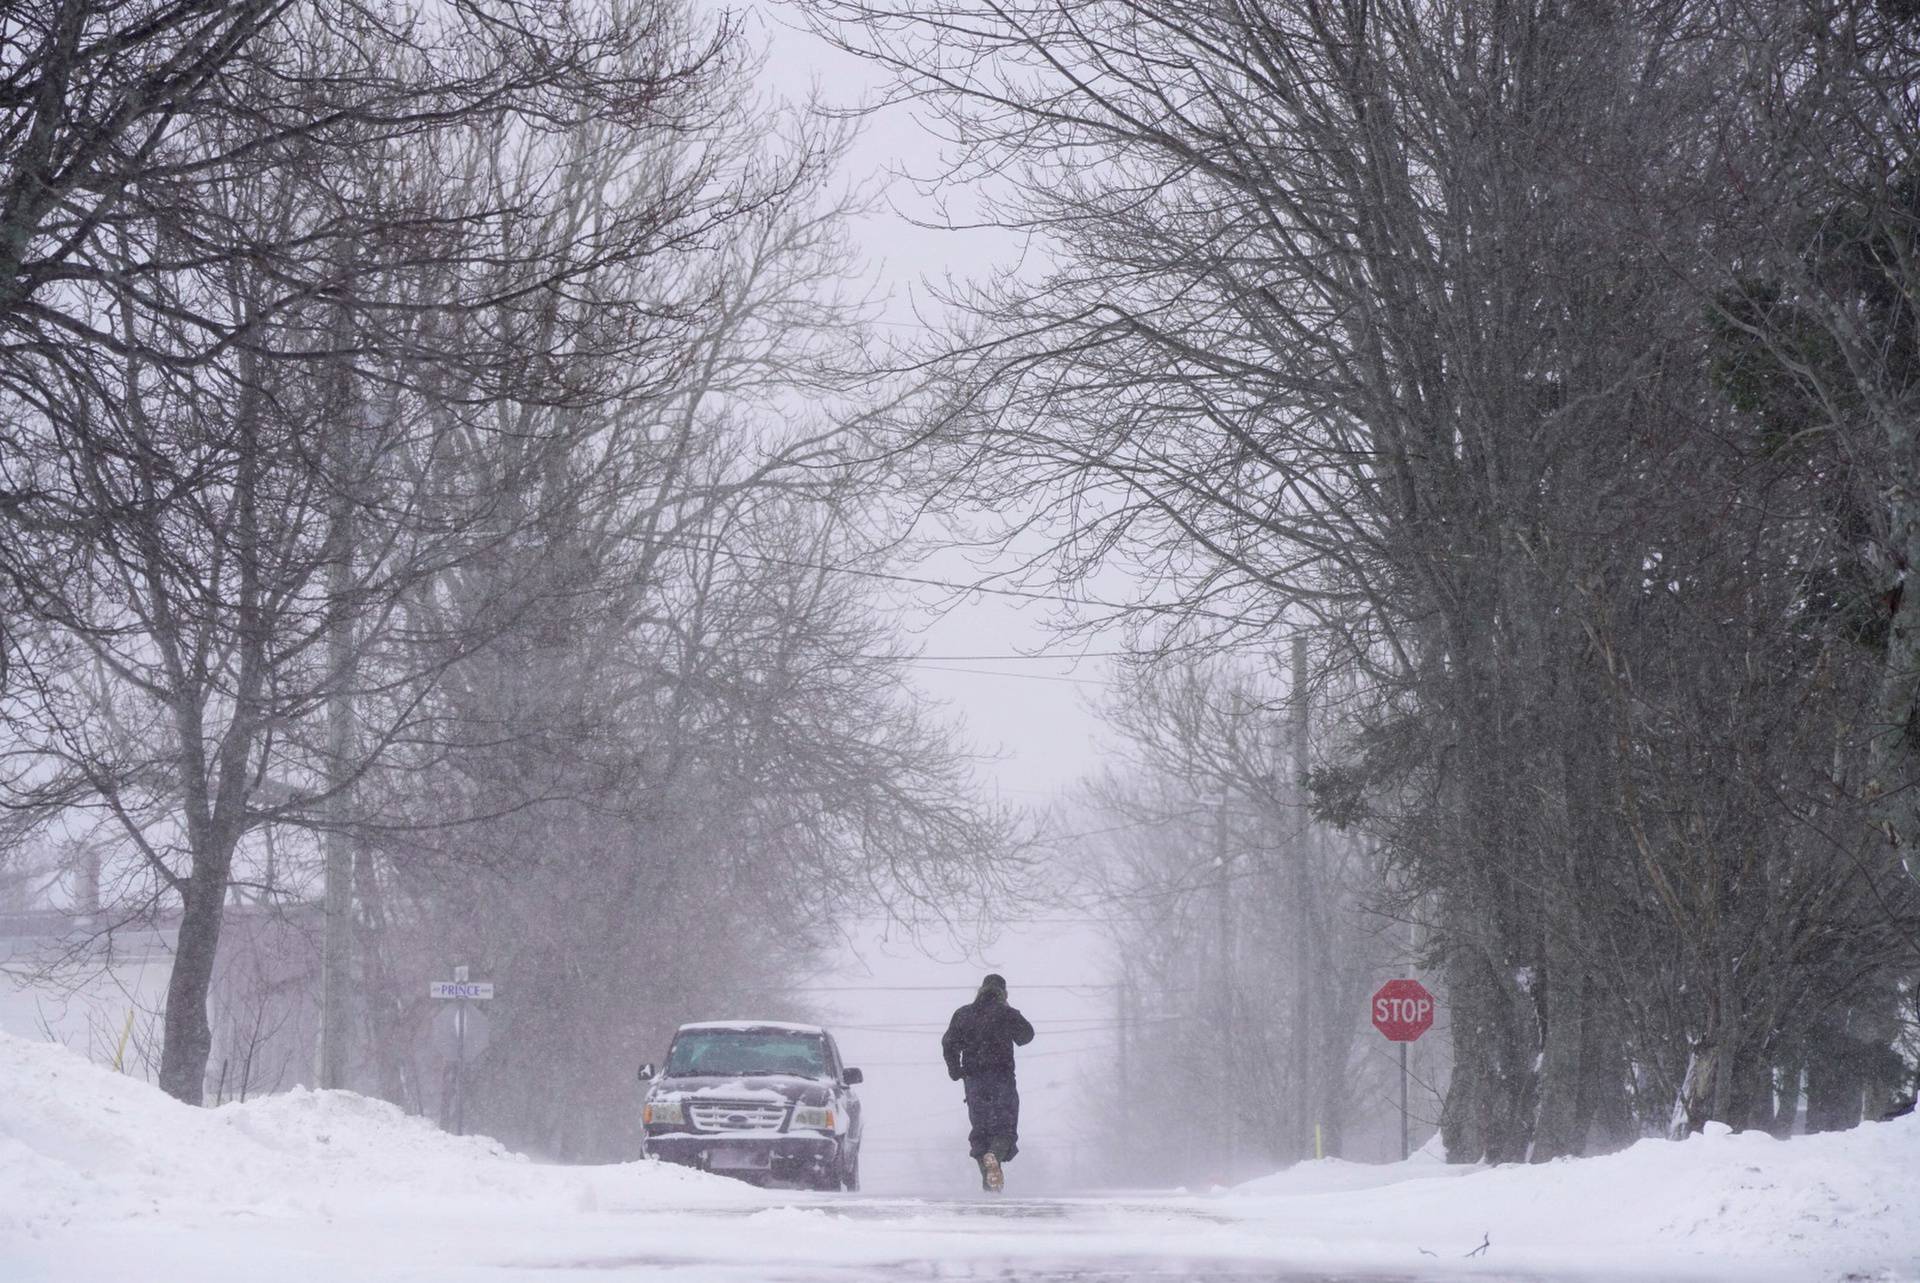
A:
[800,1091]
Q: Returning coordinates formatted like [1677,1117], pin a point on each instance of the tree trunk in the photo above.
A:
[188,1038]
[1564,991]
[1689,1107]
[1833,1075]
[1787,1074]
[383,1010]
[1489,1106]
[1751,1106]
[1560,1127]
[1601,1119]
[1603,1084]
[1497,1043]
[1894,757]
[1727,1029]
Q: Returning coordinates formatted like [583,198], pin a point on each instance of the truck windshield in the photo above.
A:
[698,1052]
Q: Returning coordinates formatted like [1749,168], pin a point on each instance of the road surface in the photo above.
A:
[604,1226]
[810,1238]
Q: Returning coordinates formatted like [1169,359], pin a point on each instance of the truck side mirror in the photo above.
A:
[853,1077]
[648,1072]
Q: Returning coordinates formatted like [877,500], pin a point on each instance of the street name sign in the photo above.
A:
[465,1039]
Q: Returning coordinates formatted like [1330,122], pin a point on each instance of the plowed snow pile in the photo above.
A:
[1816,1207]
[80,1144]
[104,1178]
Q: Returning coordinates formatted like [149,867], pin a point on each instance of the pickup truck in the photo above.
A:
[760,1100]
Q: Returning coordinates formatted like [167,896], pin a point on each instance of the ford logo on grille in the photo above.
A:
[736,1120]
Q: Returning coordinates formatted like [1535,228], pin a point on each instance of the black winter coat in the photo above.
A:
[982,1035]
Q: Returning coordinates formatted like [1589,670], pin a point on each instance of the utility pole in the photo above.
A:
[1301,888]
[1223,860]
[1125,1038]
[460,1065]
[336,955]
[337,947]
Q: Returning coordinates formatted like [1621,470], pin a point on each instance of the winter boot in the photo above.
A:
[991,1175]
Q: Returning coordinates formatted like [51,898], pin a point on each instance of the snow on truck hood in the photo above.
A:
[751,1026]
[776,1089]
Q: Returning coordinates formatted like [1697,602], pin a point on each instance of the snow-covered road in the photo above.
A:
[798,1238]
[1094,1239]
[105,1180]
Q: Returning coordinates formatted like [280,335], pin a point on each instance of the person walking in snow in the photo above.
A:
[979,1045]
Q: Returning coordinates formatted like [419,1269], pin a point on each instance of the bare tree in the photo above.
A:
[688,729]
[1220,872]
[1394,322]
[1816,301]
[175,538]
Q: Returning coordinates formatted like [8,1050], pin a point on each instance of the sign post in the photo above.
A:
[461,991]
[1403,1010]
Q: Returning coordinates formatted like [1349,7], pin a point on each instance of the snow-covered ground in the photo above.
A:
[103,1178]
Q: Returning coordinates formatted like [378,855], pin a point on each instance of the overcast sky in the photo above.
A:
[889,994]
[1034,714]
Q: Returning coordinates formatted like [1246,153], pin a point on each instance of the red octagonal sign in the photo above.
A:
[1403,1010]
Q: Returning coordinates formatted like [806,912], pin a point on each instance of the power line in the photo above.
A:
[933,1062]
[1025,677]
[1057,659]
[968,988]
[1047,1028]
[1131,826]
[922,581]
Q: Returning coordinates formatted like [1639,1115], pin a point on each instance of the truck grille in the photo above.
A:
[736,1115]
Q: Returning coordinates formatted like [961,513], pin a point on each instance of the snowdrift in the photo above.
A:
[104,1178]
[81,1144]
[1832,1206]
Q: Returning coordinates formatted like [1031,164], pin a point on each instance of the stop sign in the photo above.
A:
[1402,1010]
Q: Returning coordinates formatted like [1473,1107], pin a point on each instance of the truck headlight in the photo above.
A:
[662,1111]
[814,1117]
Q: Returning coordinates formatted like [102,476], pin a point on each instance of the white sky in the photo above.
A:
[1032,716]
[890,995]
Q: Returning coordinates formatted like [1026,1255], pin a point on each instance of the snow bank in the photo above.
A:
[81,1144]
[1829,1206]
[1335,1175]
[104,1178]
